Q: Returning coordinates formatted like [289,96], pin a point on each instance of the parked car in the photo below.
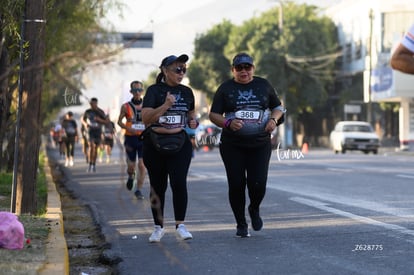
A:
[354,135]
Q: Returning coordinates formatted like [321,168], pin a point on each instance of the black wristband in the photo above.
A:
[274,119]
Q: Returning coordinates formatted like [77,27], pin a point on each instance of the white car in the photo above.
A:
[354,135]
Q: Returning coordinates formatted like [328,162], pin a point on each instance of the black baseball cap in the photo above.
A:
[242,58]
[172,58]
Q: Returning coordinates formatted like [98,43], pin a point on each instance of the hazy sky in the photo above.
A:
[175,24]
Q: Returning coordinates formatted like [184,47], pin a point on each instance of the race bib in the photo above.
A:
[94,124]
[170,119]
[138,126]
[249,115]
[70,130]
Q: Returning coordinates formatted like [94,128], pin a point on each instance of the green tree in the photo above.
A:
[30,96]
[54,54]
[10,17]
[72,46]
[70,38]
[210,66]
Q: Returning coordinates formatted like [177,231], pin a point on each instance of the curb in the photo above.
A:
[57,257]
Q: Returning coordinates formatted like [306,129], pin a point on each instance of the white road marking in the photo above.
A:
[207,175]
[360,203]
[405,176]
[323,206]
[339,169]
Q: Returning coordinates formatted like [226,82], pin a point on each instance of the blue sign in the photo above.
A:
[381,80]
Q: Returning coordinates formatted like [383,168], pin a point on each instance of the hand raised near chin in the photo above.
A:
[170,99]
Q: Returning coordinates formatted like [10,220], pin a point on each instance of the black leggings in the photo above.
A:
[70,147]
[161,167]
[245,167]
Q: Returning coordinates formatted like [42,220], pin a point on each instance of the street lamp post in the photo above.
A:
[280,17]
[369,107]
[285,126]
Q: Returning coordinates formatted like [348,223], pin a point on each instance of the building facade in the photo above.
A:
[368,31]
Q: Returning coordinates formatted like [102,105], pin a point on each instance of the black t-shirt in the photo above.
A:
[109,130]
[251,102]
[89,116]
[176,115]
[70,127]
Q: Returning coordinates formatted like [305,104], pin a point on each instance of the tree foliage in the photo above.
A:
[210,66]
[43,46]
[72,45]
[70,38]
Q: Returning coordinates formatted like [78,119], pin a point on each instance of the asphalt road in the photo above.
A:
[323,214]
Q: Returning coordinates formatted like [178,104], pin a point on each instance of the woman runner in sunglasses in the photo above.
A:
[168,107]
[248,109]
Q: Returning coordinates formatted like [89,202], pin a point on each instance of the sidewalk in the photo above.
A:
[57,258]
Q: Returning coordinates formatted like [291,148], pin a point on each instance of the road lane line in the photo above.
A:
[360,203]
[405,176]
[323,206]
[206,175]
[333,169]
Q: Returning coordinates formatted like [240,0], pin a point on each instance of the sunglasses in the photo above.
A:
[179,70]
[135,90]
[242,67]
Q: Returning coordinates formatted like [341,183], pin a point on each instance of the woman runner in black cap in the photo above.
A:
[168,107]
[248,109]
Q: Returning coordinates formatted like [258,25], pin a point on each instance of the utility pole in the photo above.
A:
[285,127]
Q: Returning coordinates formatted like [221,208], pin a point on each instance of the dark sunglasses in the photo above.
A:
[136,90]
[240,67]
[179,70]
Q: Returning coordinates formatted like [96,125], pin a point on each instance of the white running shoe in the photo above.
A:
[157,234]
[182,232]
[66,163]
